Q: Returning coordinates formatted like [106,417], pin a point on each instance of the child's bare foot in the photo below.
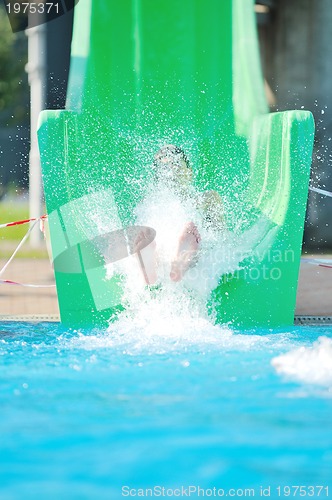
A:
[186,253]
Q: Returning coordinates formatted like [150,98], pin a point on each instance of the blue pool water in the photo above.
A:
[175,404]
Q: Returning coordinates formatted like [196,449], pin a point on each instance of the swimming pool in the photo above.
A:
[169,404]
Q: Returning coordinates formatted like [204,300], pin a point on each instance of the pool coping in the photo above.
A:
[55,318]
[313,320]
[30,318]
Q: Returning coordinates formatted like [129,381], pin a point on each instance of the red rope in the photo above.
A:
[16,223]
[24,221]
[10,282]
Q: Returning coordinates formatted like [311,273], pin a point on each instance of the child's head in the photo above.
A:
[171,163]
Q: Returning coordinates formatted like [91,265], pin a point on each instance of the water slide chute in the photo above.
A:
[146,73]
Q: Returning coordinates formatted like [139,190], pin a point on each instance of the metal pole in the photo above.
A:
[36,69]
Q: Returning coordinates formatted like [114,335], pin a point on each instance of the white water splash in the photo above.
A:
[311,365]
[171,314]
[156,329]
[168,213]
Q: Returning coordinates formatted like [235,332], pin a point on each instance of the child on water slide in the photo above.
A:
[172,169]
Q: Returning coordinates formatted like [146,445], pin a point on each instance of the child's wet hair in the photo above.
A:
[169,151]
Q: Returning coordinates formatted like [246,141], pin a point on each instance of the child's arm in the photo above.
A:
[213,209]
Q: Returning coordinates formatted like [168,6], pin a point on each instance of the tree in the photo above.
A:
[14,88]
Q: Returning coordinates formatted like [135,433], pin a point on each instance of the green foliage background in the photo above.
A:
[14,88]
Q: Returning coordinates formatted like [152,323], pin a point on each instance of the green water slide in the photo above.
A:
[144,73]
